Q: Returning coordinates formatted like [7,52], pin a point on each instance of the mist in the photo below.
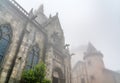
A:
[83,21]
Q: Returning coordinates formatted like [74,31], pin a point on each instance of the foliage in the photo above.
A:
[35,75]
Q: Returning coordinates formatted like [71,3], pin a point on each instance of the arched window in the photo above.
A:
[5,36]
[33,57]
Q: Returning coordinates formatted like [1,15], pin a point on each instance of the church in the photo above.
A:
[92,69]
[28,38]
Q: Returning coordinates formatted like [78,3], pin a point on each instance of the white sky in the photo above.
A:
[97,21]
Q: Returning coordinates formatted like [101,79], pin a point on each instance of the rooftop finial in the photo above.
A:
[41,8]
[57,14]
[50,16]
[31,11]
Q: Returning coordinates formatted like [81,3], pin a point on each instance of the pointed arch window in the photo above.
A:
[5,36]
[33,57]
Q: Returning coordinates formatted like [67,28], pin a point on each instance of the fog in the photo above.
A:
[97,21]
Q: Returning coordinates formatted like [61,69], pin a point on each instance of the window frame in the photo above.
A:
[3,35]
[34,53]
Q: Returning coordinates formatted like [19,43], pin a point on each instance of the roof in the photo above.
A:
[91,51]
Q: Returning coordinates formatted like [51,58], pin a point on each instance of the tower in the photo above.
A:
[93,57]
[92,69]
[93,64]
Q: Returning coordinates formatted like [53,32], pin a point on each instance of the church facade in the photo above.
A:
[28,38]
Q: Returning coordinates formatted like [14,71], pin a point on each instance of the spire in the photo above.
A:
[31,15]
[91,48]
[57,14]
[41,8]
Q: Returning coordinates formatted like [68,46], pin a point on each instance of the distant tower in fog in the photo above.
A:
[94,57]
[92,69]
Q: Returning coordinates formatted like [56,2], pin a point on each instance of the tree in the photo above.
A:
[35,75]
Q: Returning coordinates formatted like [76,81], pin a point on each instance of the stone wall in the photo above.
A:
[32,34]
[26,32]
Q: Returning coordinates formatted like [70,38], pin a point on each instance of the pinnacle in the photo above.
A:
[91,48]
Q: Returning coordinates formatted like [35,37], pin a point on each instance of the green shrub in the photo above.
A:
[35,75]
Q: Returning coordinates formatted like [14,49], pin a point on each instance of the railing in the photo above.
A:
[19,7]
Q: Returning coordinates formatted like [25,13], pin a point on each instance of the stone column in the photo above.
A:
[8,62]
[49,62]
[20,60]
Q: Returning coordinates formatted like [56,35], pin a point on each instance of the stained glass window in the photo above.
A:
[33,57]
[5,35]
